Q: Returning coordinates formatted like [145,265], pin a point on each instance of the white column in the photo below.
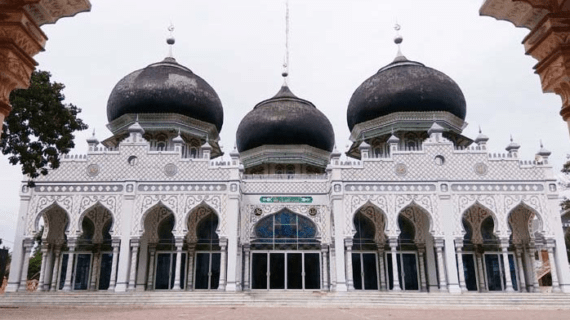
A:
[441,265]
[18,251]
[324,264]
[54,277]
[28,244]
[348,262]
[43,267]
[190,276]
[423,282]
[177,285]
[532,269]
[49,266]
[553,270]
[332,269]
[150,278]
[232,214]
[95,269]
[69,271]
[134,254]
[522,276]
[431,268]
[223,261]
[480,271]
[506,265]
[560,254]
[246,284]
[127,215]
[449,272]
[338,212]
[142,265]
[381,267]
[113,282]
[460,268]
[395,271]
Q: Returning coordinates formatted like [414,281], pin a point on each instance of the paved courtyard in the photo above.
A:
[274,313]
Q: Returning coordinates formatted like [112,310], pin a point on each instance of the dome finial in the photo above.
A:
[170,40]
[398,41]
[285,72]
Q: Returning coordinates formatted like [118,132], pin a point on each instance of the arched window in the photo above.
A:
[407,232]
[206,233]
[487,228]
[164,231]
[278,169]
[290,169]
[365,232]
[193,153]
[285,230]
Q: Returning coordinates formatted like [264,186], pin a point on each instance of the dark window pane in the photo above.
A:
[390,271]
[277,271]
[105,275]
[493,272]
[82,271]
[183,271]
[162,273]
[470,272]
[285,231]
[294,271]
[202,270]
[64,260]
[513,272]
[370,271]
[306,228]
[410,271]
[356,271]
[312,271]
[215,279]
[399,263]
[259,271]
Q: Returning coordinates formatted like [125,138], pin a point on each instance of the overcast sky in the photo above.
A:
[238,48]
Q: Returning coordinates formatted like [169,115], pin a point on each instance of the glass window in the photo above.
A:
[285,230]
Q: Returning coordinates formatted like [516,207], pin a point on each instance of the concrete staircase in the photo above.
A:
[289,298]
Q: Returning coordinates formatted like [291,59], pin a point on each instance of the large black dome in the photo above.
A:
[166,87]
[405,86]
[285,120]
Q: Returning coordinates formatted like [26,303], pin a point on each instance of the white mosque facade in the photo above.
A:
[415,205]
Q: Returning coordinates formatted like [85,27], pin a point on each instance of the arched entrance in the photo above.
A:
[285,253]
[54,243]
[92,260]
[488,263]
[368,249]
[204,250]
[406,258]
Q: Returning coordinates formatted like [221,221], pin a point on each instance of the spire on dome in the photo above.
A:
[170,40]
[543,152]
[513,146]
[398,41]
[481,138]
[285,72]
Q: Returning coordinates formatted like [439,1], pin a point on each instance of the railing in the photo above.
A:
[319,176]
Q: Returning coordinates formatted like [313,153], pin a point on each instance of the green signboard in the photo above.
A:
[286,199]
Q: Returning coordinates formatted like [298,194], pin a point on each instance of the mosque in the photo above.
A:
[413,206]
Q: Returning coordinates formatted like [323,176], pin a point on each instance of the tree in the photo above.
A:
[40,126]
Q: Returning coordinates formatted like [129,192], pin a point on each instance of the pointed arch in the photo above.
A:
[520,223]
[421,220]
[56,223]
[193,218]
[97,204]
[378,217]
[313,227]
[152,218]
[475,214]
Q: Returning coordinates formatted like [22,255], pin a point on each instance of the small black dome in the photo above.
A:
[405,86]
[285,120]
[166,87]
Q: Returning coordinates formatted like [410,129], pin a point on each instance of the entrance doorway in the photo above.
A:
[365,271]
[470,271]
[207,270]
[285,270]
[495,271]
[165,270]
[407,264]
